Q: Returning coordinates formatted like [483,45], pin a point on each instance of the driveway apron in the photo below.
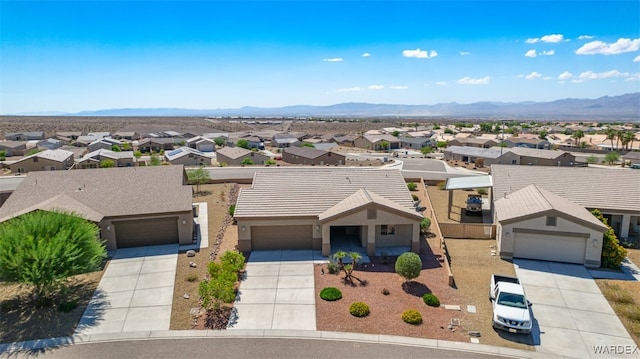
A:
[278,291]
[572,318]
[135,292]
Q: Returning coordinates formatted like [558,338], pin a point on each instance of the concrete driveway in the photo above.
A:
[571,314]
[278,291]
[135,293]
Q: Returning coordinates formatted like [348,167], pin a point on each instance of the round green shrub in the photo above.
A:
[431,300]
[359,309]
[385,291]
[412,316]
[409,265]
[415,197]
[330,294]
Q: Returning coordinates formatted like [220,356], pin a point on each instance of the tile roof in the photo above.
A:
[306,152]
[106,153]
[106,192]
[476,151]
[233,152]
[532,200]
[532,152]
[54,155]
[309,193]
[362,198]
[589,187]
[181,152]
[382,137]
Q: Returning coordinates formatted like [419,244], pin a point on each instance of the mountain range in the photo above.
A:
[625,107]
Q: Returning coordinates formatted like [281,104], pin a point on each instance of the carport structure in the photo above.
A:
[468,183]
[304,209]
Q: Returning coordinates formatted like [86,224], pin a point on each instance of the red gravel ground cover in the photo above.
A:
[386,310]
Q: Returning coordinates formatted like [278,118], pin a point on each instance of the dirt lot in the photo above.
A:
[469,166]
[188,278]
[440,202]
[634,256]
[20,320]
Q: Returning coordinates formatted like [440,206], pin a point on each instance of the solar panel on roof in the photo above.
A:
[174,152]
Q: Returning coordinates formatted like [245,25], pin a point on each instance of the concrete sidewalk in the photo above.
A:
[135,293]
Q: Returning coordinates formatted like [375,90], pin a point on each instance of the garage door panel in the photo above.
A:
[144,232]
[281,237]
[550,248]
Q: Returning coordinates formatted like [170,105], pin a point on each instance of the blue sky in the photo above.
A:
[88,55]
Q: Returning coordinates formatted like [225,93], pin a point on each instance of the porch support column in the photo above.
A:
[415,238]
[624,226]
[371,240]
[450,203]
[326,240]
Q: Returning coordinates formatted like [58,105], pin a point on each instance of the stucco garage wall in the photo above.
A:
[506,234]
[245,230]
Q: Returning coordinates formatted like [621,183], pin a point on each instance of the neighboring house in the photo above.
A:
[534,223]
[202,144]
[253,141]
[133,207]
[325,146]
[68,136]
[24,136]
[469,154]
[284,140]
[311,156]
[99,135]
[126,135]
[632,157]
[47,160]
[530,156]
[93,159]
[614,192]
[187,156]
[14,148]
[346,141]
[473,142]
[105,143]
[375,142]
[156,144]
[49,144]
[325,209]
[534,143]
[233,156]
[78,152]
[415,143]
[85,141]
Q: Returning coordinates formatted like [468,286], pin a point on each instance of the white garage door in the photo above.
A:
[550,248]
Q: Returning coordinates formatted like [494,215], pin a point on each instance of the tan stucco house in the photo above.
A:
[320,209]
[534,223]
[133,206]
[233,156]
[187,156]
[47,160]
[311,156]
[375,142]
[93,159]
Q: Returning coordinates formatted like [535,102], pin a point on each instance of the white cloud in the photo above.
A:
[634,77]
[349,89]
[565,76]
[471,81]
[547,78]
[464,53]
[531,53]
[585,37]
[376,87]
[333,59]
[546,38]
[637,59]
[590,75]
[420,54]
[398,87]
[366,54]
[442,83]
[548,53]
[603,48]
[534,75]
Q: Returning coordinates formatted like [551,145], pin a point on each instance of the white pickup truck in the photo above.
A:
[510,306]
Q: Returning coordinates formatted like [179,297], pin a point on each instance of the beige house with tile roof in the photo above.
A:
[534,223]
[321,208]
[133,206]
[233,156]
[47,160]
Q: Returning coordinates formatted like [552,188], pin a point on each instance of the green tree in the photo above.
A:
[347,268]
[395,133]
[592,160]
[611,135]
[612,157]
[408,266]
[42,249]
[306,144]
[137,154]
[384,145]
[426,150]
[486,127]
[247,162]
[126,146]
[198,177]
[448,130]
[612,252]
[270,162]
[220,141]
[243,143]
[115,148]
[425,223]
[3,155]
[543,135]
[233,260]
[155,160]
[33,151]
[412,186]
[579,134]
[442,144]
[107,163]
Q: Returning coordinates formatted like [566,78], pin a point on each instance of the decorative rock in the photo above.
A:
[474,333]
[191,253]
[192,264]
[186,296]
[194,311]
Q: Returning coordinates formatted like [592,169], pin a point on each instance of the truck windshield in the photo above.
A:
[512,300]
